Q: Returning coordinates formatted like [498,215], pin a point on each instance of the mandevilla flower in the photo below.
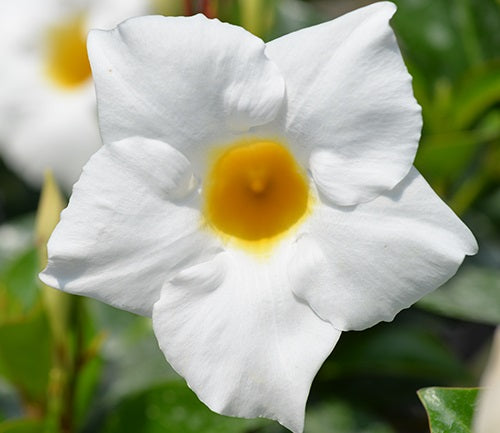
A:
[47,100]
[254,199]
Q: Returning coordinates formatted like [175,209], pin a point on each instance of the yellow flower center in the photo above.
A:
[255,192]
[67,62]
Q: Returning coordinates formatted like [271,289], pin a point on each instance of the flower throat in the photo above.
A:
[255,191]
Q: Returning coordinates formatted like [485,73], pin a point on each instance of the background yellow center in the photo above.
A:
[67,61]
[255,191]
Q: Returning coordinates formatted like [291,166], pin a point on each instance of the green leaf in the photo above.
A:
[408,350]
[25,355]
[340,417]
[172,408]
[480,91]
[430,37]
[19,288]
[336,416]
[473,294]
[21,426]
[446,155]
[450,410]
[130,342]
[86,385]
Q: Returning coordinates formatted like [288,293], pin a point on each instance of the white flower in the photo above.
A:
[47,100]
[487,416]
[255,199]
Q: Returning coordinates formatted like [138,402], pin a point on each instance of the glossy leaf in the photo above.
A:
[172,408]
[473,294]
[450,410]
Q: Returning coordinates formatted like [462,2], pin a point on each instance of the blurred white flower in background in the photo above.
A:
[255,199]
[487,416]
[48,113]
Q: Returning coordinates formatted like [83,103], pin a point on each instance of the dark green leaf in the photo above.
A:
[450,410]
[407,351]
[335,416]
[172,408]
[473,294]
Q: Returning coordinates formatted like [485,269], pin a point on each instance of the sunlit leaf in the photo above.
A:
[57,303]
[445,156]
[480,90]
[450,410]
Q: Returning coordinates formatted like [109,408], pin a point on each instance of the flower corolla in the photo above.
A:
[48,118]
[255,199]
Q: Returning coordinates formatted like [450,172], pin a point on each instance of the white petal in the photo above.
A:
[188,81]
[50,129]
[132,222]
[487,416]
[358,266]
[350,104]
[245,344]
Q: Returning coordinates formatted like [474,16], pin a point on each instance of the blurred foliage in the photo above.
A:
[74,365]
[450,410]
[473,295]
[171,407]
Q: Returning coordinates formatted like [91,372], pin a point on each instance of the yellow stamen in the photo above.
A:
[255,192]
[67,62]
